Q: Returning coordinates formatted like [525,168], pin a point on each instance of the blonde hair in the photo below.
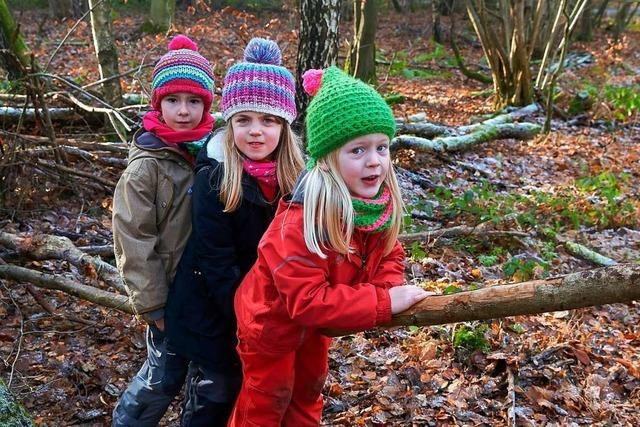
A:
[328,211]
[288,156]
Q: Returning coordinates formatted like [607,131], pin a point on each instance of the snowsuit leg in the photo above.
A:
[283,389]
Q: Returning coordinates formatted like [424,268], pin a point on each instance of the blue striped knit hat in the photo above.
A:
[260,83]
[182,69]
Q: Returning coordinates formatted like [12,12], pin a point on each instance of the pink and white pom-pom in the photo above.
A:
[311,81]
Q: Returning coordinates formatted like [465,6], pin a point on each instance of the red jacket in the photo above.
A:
[289,290]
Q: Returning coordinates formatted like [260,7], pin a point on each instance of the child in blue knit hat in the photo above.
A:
[240,177]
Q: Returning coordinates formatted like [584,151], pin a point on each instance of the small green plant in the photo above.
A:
[488,260]
[471,338]
[548,251]
[517,328]
[416,251]
[438,53]
[521,269]
[625,100]
[451,289]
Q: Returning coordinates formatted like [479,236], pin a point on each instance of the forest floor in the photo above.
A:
[579,183]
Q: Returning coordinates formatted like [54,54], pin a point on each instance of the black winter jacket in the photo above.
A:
[199,317]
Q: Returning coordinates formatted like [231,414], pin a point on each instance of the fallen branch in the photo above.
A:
[105,251]
[481,134]
[51,310]
[68,286]
[11,115]
[47,246]
[460,230]
[590,255]
[608,285]
[114,147]
[110,185]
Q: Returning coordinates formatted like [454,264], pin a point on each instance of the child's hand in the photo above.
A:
[403,297]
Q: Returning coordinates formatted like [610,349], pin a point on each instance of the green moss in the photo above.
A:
[12,414]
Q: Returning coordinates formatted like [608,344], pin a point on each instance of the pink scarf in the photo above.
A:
[152,122]
[265,174]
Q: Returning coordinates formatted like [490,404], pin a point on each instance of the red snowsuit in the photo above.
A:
[283,302]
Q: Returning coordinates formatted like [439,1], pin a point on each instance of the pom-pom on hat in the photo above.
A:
[260,83]
[182,69]
[343,108]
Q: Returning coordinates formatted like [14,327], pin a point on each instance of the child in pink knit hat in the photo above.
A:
[152,217]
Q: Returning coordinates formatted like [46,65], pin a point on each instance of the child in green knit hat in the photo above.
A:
[330,258]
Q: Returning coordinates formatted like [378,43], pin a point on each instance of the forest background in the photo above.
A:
[518,154]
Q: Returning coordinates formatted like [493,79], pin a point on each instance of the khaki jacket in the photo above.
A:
[151,222]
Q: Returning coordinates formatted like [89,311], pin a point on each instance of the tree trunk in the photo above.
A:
[161,16]
[106,51]
[11,40]
[362,55]
[436,28]
[61,9]
[318,47]
[507,46]
[587,23]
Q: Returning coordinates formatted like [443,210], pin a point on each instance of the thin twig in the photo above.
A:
[13,365]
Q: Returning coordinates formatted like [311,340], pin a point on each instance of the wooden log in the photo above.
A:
[588,254]
[460,230]
[481,134]
[13,114]
[608,285]
[68,286]
[46,246]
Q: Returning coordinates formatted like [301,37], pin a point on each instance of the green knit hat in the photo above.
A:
[343,108]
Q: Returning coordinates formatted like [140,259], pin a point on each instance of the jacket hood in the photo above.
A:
[212,153]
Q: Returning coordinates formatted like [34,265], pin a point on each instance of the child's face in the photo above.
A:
[256,134]
[182,110]
[364,163]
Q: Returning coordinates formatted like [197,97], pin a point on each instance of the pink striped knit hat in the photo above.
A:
[182,69]
[260,83]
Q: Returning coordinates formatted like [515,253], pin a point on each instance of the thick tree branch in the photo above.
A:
[608,285]
[55,247]
[68,286]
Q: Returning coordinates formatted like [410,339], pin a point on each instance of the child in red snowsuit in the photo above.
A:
[329,259]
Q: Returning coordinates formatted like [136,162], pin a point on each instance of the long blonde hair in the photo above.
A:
[288,156]
[328,211]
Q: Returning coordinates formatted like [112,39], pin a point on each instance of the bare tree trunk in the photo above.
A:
[436,28]
[12,42]
[318,47]
[362,55]
[60,9]
[106,51]
[506,44]
[161,15]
